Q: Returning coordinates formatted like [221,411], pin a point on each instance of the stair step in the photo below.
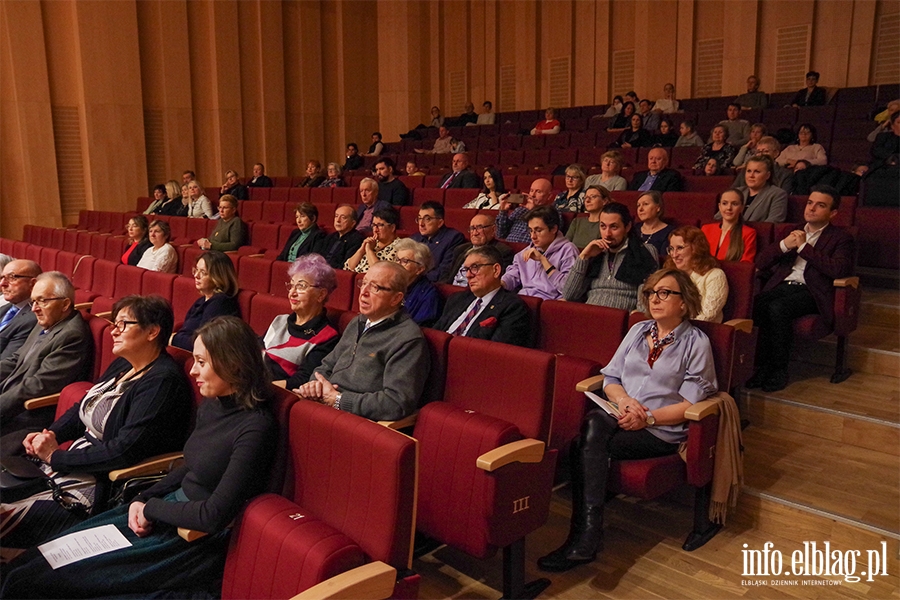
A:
[861,359]
[880,311]
[847,480]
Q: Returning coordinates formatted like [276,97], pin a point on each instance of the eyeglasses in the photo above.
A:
[44,302]
[405,261]
[300,286]
[674,249]
[198,273]
[661,294]
[13,276]
[122,325]
[573,177]
[379,225]
[474,268]
[373,287]
[478,228]
[425,219]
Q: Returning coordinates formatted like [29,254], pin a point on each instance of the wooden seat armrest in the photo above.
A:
[190,535]
[523,451]
[84,306]
[282,383]
[373,581]
[185,245]
[403,423]
[745,325]
[230,252]
[41,402]
[701,410]
[591,384]
[847,282]
[105,315]
[255,255]
[151,466]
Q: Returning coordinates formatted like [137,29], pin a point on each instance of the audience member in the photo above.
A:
[511,225]
[689,253]
[762,200]
[159,198]
[572,199]
[457,146]
[58,351]
[493,192]
[886,148]
[136,232]
[390,189]
[718,149]
[613,109]
[667,136]
[486,310]
[140,408]
[470,117]
[667,104]
[343,243]
[804,148]
[688,137]
[160,256]
[441,144]
[653,230]
[234,187]
[217,284]
[652,388]
[712,168]
[379,367]
[622,120]
[610,166]
[488,116]
[611,269]
[230,232]
[380,246]
[260,179]
[748,150]
[635,136]
[354,160]
[368,195]
[199,206]
[422,301]
[549,125]
[377,146]
[296,343]
[335,177]
[17,318]
[657,176]
[540,270]
[440,239]
[801,270]
[781,176]
[812,94]
[232,444]
[632,97]
[436,119]
[461,176]
[584,230]
[719,235]
[753,99]
[482,229]
[412,170]
[173,206]
[884,120]
[314,177]
[650,119]
[308,237]
[738,129]
[187,177]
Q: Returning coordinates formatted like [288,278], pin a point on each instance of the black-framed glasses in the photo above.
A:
[373,287]
[14,276]
[479,228]
[379,225]
[300,286]
[122,325]
[474,268]
[44,302]
[662,294]
[405,261]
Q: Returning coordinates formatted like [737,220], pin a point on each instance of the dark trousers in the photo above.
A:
[601,441]
[774,313]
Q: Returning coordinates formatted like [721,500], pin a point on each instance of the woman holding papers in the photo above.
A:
[661,367]
[225,460]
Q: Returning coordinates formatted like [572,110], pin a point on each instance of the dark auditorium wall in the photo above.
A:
[99,98]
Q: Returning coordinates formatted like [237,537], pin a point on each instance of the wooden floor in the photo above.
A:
[822,463]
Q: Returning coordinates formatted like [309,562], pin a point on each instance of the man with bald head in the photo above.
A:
[511,225]
[482,232]
[461,177]
[657,177]
[16,319]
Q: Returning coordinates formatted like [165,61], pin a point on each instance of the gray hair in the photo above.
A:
[421,252]
[373,185]
[62,287]
[5,259]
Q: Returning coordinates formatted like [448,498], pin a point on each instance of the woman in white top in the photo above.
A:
[806,149]
[689,252]
[668,104]
[198,204]
[161,256]
[610,167]
[494,191]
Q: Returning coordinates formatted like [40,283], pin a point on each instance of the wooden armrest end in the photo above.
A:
[151,466]
[524,451]
[847,282]
[745,325]
[190,535]
[42,401]
[374,581]
[591,384]
[403,423]
[701,410]
[84,306]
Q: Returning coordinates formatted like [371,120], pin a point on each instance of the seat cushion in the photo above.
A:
[811,327]
[278,550]
[647,478]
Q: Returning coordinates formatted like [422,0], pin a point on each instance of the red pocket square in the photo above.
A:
[489,322]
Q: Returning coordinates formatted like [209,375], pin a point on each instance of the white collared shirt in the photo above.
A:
[799,267]
[485,301]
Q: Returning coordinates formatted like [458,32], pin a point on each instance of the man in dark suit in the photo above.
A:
[657,177]
[812,94]
[260,179]
[804,266]
[440,239]
[486,310]
[462,176]
[58,351]
[16,318]
[482,230]
[337,247]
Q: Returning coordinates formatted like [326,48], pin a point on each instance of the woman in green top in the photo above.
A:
[308,236]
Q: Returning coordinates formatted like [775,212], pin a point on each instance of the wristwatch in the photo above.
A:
[337,401]
[651,420]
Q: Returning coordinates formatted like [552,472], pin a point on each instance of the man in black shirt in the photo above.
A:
[390,189]
[354,160]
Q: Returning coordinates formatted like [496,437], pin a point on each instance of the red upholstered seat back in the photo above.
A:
[503,381]
[741,280]
[438,347]
[358,477]
[103,355]
[582,330]
[263,310]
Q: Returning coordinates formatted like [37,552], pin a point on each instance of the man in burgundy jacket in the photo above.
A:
[803,268]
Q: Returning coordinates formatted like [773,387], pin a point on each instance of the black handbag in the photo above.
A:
[20,477]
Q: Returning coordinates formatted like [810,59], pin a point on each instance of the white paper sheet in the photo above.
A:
[610,407]
[83,544]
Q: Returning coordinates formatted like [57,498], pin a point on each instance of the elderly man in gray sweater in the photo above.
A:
[379,367]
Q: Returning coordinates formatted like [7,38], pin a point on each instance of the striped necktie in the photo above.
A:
[465,323]
[9,316]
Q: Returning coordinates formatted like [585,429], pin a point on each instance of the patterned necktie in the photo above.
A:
[449,180]
[471,315]
[9,316]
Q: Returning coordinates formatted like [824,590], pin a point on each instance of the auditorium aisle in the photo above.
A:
[822,465]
